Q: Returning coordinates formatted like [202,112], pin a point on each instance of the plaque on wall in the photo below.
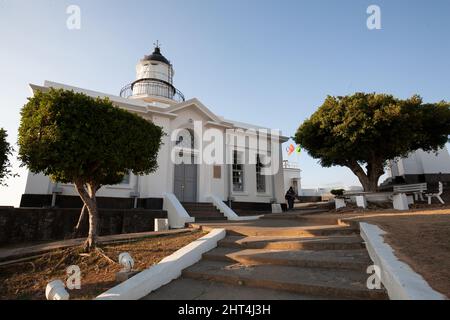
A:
[217,172]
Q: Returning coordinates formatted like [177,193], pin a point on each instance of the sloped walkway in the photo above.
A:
[278,259]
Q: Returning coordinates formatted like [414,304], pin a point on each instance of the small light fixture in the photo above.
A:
[126,261]
[55,290]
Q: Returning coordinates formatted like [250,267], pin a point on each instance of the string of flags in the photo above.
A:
[291,149]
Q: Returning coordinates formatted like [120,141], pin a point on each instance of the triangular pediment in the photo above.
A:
[195,103]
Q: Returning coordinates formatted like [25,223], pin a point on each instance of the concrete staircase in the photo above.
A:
[292,262]
[202,211]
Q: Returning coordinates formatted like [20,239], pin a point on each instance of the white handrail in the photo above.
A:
[227,211]
[178,216]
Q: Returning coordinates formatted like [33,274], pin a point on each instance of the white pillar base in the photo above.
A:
[276,208]
[340,203]
[400,202]
[161,224]
[410,199]
[361,202]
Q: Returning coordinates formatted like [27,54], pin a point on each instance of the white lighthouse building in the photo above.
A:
[421,166]
[236,177]
[154,81]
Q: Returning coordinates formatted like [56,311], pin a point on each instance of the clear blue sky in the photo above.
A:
[265,62]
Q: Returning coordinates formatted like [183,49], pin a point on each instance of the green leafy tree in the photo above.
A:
[5,152]
[363,131]
[77,139]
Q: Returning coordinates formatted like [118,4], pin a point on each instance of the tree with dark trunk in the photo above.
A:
[74,138]
[364,131]
[5,151]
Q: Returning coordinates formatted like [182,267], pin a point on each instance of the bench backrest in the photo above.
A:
[417,187]
[441,188]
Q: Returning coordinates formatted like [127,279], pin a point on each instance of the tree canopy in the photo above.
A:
[5,152]
[363,131]
[74,138]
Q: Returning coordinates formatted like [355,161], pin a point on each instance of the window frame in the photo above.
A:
[238,173]
[260,178]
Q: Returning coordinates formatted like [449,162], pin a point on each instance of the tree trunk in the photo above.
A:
[87,193]
[76,230]
[93,219]
[370,179]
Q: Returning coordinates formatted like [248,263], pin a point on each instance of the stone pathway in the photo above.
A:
[278,259]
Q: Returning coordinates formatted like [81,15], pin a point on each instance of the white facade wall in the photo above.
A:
[291,174]
[161,181]
[421,162]
[279,179]
[432,163]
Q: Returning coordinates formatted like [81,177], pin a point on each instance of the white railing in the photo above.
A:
[178,216]
[227,211]
[290,165]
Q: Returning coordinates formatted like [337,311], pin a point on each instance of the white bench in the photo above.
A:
[436,195]
[417,189]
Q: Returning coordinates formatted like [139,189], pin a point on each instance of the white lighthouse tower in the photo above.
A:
[154,81]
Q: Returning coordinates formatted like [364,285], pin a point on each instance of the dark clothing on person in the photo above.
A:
[290,197]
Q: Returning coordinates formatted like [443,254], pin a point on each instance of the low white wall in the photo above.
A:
[227,211]
[168,269]
[178,216]
[401,282]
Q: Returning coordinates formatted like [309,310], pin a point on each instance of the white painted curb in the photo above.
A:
[228,212]
[178,216]
[401,282]
[164,272]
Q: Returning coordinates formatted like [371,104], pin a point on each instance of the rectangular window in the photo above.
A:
[238,173]
[260,179]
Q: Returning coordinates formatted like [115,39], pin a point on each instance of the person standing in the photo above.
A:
[290,197]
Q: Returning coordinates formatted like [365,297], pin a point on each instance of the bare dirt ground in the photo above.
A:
[27,280]
[420,238]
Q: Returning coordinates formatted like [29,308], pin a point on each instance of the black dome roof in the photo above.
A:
[157,56]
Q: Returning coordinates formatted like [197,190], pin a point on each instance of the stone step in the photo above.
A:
[302,231]
[191,289]
[308,281]
[206,214]
[296,214]
[293,243]
[243,212]
[331,259]
[201,208]
[294,231]
[210,218]
[197,204]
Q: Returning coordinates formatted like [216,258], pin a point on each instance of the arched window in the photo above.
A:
[185,139]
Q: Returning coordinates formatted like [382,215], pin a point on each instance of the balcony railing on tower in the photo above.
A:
[153,87]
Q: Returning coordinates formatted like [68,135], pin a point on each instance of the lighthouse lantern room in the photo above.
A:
[154,81]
